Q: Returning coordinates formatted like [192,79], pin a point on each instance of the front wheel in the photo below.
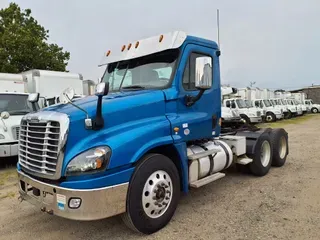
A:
[270,117]
[153,194]
[314,110]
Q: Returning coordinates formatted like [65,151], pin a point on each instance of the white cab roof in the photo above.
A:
[145,47]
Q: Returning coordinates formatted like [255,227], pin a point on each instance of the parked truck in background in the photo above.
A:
[13,106]
[136,145]
[272,113]
[314,108]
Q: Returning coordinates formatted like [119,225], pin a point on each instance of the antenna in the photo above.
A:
[218,26]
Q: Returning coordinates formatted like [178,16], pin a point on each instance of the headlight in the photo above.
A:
[90,161]
[2,136]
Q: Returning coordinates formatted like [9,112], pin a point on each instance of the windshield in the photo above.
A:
[149,72]
[267,103]
[15,104]
[248,103]
[311,101]
[241,103]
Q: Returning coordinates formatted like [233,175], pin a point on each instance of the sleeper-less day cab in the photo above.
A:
[151,132]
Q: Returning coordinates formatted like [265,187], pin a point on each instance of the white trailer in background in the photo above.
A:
[88,87]
[12,82]
[51,83]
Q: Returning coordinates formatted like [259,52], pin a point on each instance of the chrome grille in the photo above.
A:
[39,146]
[15,132]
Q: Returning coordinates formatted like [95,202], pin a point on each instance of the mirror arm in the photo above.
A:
[190,100]
[98,122]
[87,115]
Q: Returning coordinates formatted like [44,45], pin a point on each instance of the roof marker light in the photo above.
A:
[137,44]
[123,48]
[160,38]
[129,46]
[108,53]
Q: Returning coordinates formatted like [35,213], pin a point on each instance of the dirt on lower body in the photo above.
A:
[285,204]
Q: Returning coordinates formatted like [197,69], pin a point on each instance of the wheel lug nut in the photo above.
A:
[168,191]
[167,198]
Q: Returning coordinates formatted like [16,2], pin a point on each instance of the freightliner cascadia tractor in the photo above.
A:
[151,132]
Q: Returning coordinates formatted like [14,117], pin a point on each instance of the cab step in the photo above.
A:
[244,161]
[207,180]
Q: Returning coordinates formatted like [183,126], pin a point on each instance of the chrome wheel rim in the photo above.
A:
[283,147]
[265,153]
[157,194]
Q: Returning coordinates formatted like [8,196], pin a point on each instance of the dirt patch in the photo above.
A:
[285,204]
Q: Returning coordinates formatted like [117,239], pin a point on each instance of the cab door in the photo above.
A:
[201,119]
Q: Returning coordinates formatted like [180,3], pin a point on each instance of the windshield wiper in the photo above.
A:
[137,87]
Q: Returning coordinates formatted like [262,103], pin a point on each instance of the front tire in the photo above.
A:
[270,117]
[246,119]
[153,194]
[314,110]
[288,115]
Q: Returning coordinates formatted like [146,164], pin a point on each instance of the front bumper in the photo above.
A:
[299,112]
[96,203]
[9,150]
[255,119]
[279,116]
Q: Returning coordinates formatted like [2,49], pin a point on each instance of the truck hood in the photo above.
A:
[124,113]
[111,103]
[10,135]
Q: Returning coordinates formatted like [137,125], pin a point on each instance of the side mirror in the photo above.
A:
[67,95]
[102,89]
[203,73]
[33,97]
[4,115]
[203,78]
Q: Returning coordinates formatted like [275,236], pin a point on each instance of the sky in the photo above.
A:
[274,43]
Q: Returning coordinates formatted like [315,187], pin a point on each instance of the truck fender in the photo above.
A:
[252,137]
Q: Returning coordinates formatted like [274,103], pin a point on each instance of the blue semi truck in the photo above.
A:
[151,132]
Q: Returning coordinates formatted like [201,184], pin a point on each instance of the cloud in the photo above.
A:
[274,43]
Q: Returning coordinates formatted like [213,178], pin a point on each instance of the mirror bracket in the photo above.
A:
[190,100]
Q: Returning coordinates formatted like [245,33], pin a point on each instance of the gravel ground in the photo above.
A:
[285,204]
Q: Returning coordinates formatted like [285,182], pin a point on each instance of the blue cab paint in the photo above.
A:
[138,121]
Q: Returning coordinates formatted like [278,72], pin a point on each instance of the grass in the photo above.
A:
[6,175]
[284,122]
[8,195]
